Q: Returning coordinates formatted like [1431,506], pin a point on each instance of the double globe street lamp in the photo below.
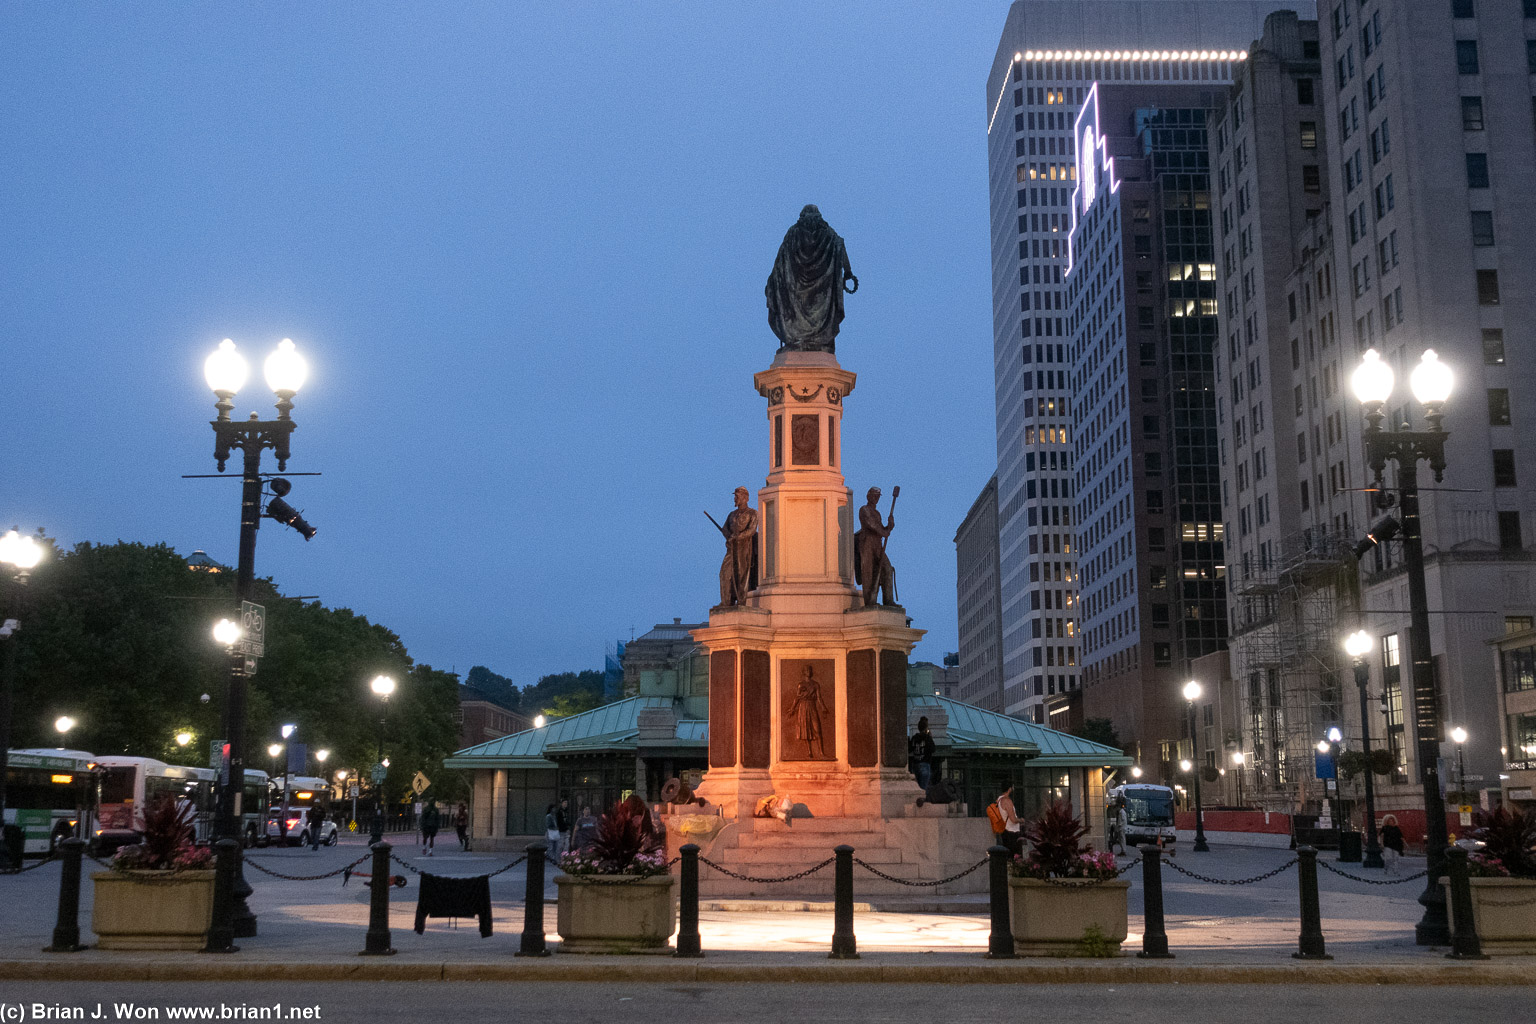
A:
[226,372]
[1430,382]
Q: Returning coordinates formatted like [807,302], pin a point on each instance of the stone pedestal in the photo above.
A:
[807,686]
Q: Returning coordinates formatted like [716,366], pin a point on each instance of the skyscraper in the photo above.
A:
[1050,55]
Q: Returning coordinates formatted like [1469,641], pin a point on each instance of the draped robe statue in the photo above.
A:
[805,289]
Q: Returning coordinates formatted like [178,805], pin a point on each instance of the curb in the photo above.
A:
[626,970]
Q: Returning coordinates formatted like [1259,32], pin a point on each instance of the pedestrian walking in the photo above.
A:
[1391,843]
[920,754]
[585,832]
[1012,835]
[431,818]
[314,819]
[461,826]
[552,834]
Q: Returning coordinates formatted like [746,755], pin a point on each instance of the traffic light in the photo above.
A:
[285,513]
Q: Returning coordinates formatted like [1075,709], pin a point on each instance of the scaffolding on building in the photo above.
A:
[1289,619]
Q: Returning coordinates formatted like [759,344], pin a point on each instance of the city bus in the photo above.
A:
[288,820]
[47,794]
[129,784]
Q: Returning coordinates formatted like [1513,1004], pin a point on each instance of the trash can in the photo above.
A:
[15,845]
[1349,847]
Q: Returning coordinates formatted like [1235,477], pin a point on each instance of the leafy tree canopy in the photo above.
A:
[1099,730]
[118,637]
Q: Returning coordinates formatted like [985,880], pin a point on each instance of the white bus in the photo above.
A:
[288,820]
[47,793]
[127,785]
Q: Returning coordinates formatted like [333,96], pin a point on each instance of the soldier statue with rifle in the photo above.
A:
[871,568]
[738,571]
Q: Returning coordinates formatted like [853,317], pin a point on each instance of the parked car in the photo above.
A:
[297,828]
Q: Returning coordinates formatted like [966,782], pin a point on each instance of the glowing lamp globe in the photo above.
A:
[538,721]
[1323,747]
[183,738]
[289,730]
[285,369]
[1239,758]
[1136,772]
[1372,380]
[383,686]
[227,633]
[225,370]
[1459,734]
[64,723]
[1358,644]
[273,749]
[1186,764]
[1431,380]
[1191,690]
[321,755]
[1335,735]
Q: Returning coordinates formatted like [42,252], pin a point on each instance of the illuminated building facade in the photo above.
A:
[1050,55]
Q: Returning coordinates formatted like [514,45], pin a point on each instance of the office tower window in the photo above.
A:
[1498,407]
[1504,467]
[1488,287]
[1381,142]
[1385,199]
[1309,135]
[1461,8]
[1530,56]
[1162,655]
[1472,113]
[1509,531]
[1482,227]
[1466,56]
[1477,170]
[1530,8]
[1304,95]
[1493,346]
[1311,178]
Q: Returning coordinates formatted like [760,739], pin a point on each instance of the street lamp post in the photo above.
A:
[18,557]
[1459,737]
[382,686]
[226,371]
[288,731]
[1431,385]
[1357,645]
[1192,694]
[1239,760]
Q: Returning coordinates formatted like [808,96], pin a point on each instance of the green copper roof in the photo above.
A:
[615,727]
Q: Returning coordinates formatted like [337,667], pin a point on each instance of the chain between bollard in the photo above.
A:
[305,878]
[766,881]
[920,885]
[33,867]
[413,869]
[1234,881]
[1373,881]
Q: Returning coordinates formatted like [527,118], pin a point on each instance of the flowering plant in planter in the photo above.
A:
[626,844]
[167,844]
[1056,849]
[1509,844]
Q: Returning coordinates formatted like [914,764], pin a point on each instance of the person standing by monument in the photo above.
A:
[738,570]
[920,750]
[872,568]
[805,289]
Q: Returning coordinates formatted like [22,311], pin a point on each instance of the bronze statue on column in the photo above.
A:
[738,570]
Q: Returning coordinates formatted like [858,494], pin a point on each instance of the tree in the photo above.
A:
[117,635]
[1098,730]
[495,686]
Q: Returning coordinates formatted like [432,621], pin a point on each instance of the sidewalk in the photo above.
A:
[1218,933]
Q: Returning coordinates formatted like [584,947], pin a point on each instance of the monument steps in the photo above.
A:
[819,841]
[765,855]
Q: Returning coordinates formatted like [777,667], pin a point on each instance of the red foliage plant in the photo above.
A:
[624,833]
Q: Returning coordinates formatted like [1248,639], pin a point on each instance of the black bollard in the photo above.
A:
[688,943]
[66,932]
[1309,945]
[1465,945]
[1000,942]
[221,931]
[1154,939]
[844,946]
[533,905]
[377,942]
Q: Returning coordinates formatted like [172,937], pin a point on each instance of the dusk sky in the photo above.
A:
[523,247]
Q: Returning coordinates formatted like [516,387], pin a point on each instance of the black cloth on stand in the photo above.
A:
[442,896]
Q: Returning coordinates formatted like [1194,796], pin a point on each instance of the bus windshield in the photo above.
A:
[1149,808]
[117,784]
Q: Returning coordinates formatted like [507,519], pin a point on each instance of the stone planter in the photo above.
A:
[152,909]
[1504,913]
[1050,919]
[615,913]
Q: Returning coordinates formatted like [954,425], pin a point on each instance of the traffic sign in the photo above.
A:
[419,783]
[379,771]
[354,791]
[215,754]
[253,620]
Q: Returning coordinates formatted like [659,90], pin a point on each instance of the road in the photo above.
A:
[414,1003]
